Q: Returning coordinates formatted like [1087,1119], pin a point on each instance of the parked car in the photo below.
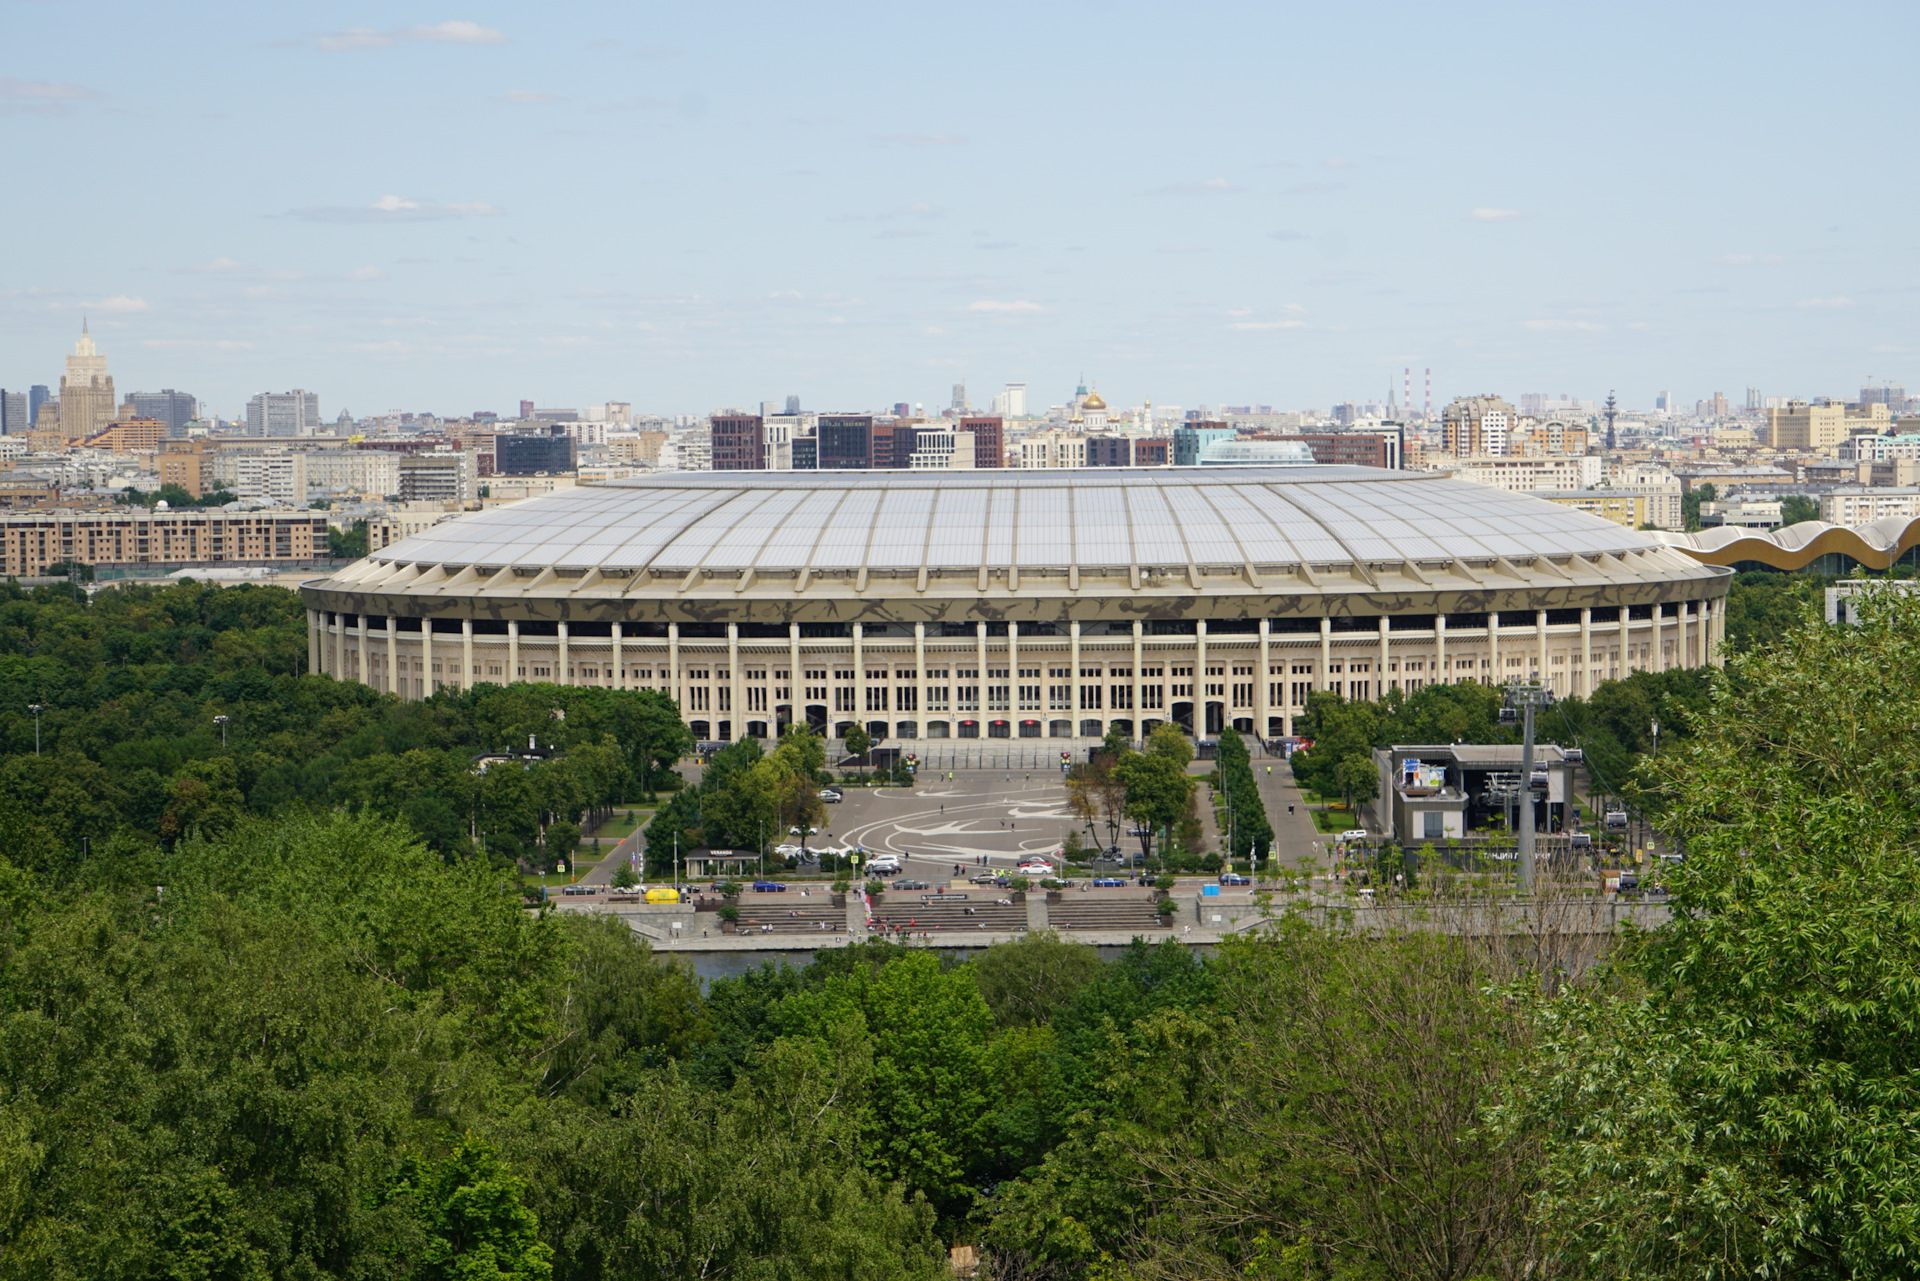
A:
[769,887]
[829,795]
[1234,878]
[1108,882]
[911,885]
[1350,835]
[578,889]
[985,878]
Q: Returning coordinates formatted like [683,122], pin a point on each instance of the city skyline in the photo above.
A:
[458,210]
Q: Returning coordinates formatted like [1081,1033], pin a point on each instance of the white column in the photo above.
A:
[466,653]
[1493,647]
[920,678]
[1584,685]
[1200,680]
[1013,680]
[1540,634]
[1381,688]
[1326,655]
[1139,656]
[426,657]
[1440,649]
[619,658]
[1626,640]
[794,701]
[313,639]
[1073,690]
[513,650]
[673,669]
[393,656]
[980,657]
[560,673]
[860,673]
[1262,690]
[365,674]
[736,703]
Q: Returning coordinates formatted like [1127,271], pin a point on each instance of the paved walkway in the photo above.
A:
[1296,842]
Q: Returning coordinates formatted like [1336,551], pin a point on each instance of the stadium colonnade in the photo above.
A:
[1017,604]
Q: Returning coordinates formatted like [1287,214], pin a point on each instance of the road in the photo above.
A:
[989,817]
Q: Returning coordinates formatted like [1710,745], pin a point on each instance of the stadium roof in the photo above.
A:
[1083,519]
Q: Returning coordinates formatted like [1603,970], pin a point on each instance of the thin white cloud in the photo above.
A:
[40,97]
[123,304]
[526,97]
[1748,260]
[1286,234]
[1005,308]
[196,344]
[389,209]
[920,139]
[1211,187]
[1550,326]
[1336,162]
[1268,324]
[459,32]
[218,267]
[1823,304]
[366,273]
[1489,214]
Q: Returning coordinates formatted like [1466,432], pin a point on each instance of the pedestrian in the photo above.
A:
[1289,809]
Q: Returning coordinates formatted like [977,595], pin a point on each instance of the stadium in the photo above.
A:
[1016,604]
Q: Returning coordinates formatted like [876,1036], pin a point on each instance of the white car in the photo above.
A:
[1351,834]
[788,851]
[829,795]
[883,863]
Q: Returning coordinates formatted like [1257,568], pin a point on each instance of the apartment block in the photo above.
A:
[31,541]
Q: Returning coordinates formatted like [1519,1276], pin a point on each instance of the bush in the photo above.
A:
[730,888]
[876,887]
[1166,907]
[729,912]
[842,885]
[1048,883]
[1021,883]
[1165,883]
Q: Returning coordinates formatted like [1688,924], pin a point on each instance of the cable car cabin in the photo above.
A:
[1509,716]
[1616,820]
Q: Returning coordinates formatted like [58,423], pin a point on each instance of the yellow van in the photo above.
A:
[663,895]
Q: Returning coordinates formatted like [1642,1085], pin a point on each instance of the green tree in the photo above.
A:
[347,544]
[859,743]
[1024,982]
[1690,505]
[561,841]
[472,1214]
[1737,1100]
[1796,508]
[1157,785]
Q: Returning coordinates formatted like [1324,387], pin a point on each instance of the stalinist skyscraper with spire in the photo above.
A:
[86,390]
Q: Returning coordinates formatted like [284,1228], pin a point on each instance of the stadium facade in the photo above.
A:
[1017,604]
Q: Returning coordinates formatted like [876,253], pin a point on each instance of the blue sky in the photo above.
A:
[453,207]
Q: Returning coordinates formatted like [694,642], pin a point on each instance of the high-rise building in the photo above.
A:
[15,419]
[960,405]
[174,408]
[37,395]
[793,405]
[526,409]
[1477,426]
[989,441]
[548,450]
[283,413]
[86,390]
[845,442]
[1191,441]
[1892,395]
[739,441]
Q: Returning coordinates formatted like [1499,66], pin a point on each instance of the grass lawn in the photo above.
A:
[623,823]
[1327,820]
[552,880]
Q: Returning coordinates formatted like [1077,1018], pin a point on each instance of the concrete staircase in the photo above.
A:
[986,917]
[1121,911]
[815,916]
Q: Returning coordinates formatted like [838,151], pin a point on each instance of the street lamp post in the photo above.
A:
[36,709]
[1526,696]
[221,721]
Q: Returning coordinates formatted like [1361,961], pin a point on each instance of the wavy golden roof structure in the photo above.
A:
[1876,546]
